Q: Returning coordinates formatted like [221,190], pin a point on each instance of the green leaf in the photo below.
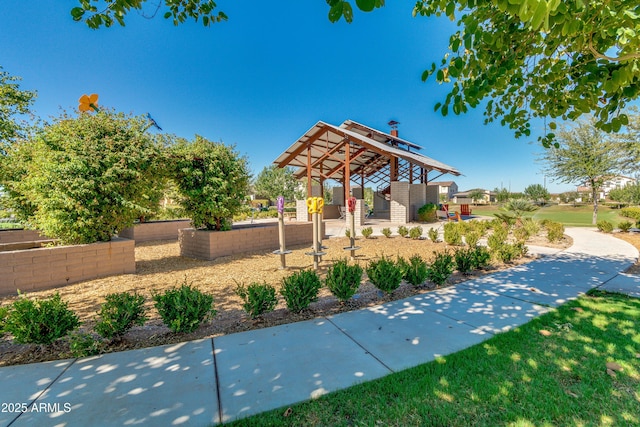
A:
[77,13]
[366,5]
[335,13]
[347,12]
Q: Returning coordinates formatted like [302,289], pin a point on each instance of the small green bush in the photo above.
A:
[441,268]
[257,298]
[384,274]
[347,233]
[433,235]
[465,260]
[403,231]
[453,234]
[183,309]
[632,212]
[300,289]
[605,226]
[472,237]
[427,213]
[4,312]
[481,257]
[531,225]
[343,280]
[507,252]
[386,232]
[555,230]
[415,232]
[40,321]
[498,237]
[416,271]
[403,265]
[521,234]
[84,344]
[625,226]
[119,313]
[367,232]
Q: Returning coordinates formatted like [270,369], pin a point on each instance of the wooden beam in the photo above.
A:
[300,149]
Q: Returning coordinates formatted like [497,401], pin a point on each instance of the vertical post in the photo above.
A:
[283,261]
[318,229]
[347,170]
[314,217]
[352,232]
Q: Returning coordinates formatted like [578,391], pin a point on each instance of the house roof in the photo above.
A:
[442,183]
[322,148]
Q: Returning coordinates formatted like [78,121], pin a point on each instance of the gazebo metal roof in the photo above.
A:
[354,150]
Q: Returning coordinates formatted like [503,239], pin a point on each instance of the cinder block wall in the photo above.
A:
[35,269]
[209,245]
[417,198]
[155,230]
[13,236]
[399,202]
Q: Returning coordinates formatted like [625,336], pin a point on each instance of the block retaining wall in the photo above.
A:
[155,230]
[13,236]
[203,244]
[34,269]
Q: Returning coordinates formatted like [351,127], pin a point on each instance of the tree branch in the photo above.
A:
[610,58]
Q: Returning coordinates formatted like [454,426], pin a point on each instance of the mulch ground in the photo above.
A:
[160,267]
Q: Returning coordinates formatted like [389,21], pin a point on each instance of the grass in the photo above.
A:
[574,216]
[519,378]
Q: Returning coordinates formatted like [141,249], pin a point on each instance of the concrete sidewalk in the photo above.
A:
[210,381]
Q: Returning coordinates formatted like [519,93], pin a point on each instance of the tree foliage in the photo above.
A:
[82,179]
[273,181]
[537,193]
[13,102]
[585,155]
[213,180]
[540,58]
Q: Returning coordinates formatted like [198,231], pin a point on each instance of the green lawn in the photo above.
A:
[519,378]
[575,216]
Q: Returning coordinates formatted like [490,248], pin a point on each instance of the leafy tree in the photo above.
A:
[273,181]
[502,194]
[537,193]
[213,180]
[13,102]
[627,194]
[83,179]
[584,155]
[569,197]
[476,195]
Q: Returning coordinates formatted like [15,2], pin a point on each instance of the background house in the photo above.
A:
[610,184]
[446,189]
[464,197]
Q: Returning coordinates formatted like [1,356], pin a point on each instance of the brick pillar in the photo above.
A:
[399,202]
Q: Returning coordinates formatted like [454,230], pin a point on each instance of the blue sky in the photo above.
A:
[263,78]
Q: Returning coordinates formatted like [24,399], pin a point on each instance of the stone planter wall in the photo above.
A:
[209,245]
[34,269]
[12,236]
[155,230]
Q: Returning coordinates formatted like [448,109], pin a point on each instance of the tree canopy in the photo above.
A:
[537,193]
[13,103]
[585,155]
[549,59]
[273,181]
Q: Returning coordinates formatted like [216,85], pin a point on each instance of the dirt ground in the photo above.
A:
[159,267]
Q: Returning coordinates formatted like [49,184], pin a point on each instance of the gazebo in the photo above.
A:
[353,153]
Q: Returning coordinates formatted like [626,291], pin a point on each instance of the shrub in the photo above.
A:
[183,309]
[605,226]
[441,268]
[555,230]
[347,233]
[531,225]
[213,180]
[632,212]
[386,232]
[384,274]
[40,321]
[472,237]
[625,226]
[416,271]
[427,213]
[343,280]
[403,265]
[498,237]
[464,259]
[84,344]
[521,234]
[119,313]
[403,231]
[481,257]
[452,234]
[4,312]
[83,178]
[433,235]
[300,289]
[367,232]
[507,252]
[257,298]
[415,232]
